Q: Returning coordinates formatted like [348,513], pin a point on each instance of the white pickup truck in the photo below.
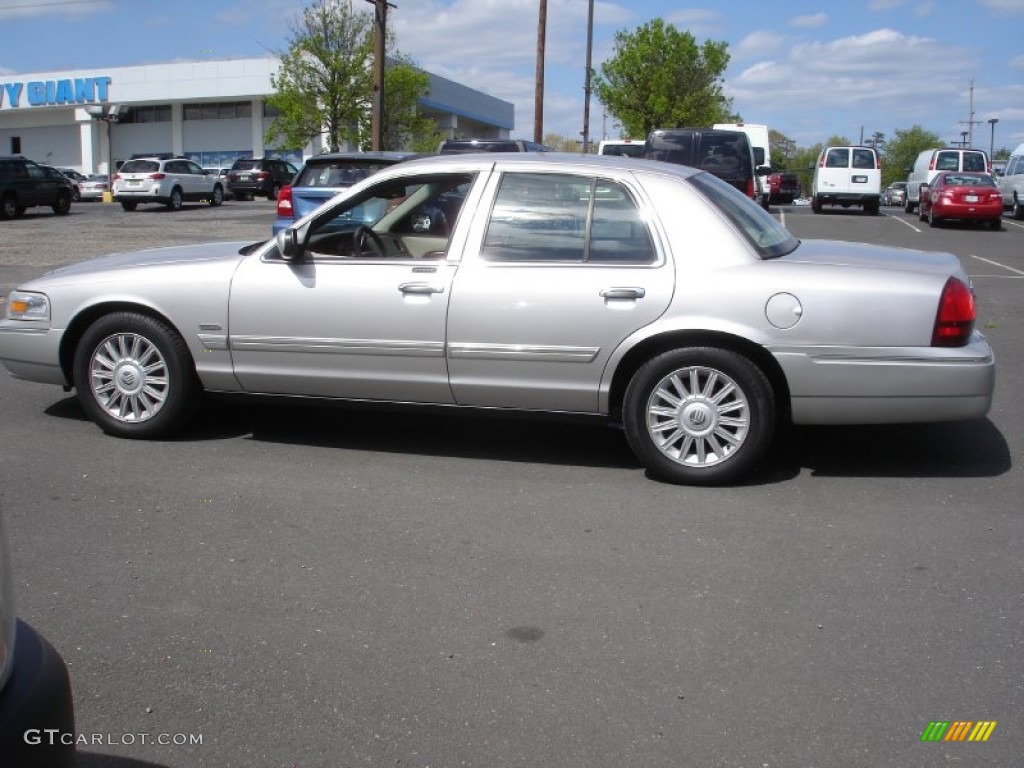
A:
[1011,183]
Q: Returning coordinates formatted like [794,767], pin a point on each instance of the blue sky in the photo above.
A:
[808,69]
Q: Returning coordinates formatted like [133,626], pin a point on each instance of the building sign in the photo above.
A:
[54,93]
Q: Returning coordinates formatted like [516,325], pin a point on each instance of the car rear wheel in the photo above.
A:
[908,207]
[63,204]
[932,220]
[128,206]
[996,224]
[217,197]
[1018,210]
[174,203]
[871,207]
[816,204]
[699,416]
[134,376]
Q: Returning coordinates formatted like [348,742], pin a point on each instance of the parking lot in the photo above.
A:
[306,587]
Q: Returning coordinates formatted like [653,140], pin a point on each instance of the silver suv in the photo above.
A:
[170,181]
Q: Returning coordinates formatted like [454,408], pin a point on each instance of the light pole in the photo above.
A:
[109,115]
[992,141]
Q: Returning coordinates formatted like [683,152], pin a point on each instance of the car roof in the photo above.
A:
[475,161]
[328,157]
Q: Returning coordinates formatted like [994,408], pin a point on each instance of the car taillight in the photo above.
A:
[284,202]
[954,321]
[262,175]
[157,176]
[116,177]
[750,188]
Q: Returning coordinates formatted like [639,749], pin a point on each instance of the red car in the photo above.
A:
[965,196]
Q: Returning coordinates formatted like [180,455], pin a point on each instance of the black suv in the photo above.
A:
[24,184]
[725,154]
[251,176]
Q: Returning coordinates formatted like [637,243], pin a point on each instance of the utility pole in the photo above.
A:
[970,122]
[586,82]
[538,95]
[380,33]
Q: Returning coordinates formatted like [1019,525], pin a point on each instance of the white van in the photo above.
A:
[931,162]
[847,176]
[623,147]
[757,135]
[1011,183]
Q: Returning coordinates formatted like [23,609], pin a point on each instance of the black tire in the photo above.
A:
[128,205]
[908,207]
[275,190]
[135,377]
[9,207]
[63,204]
[816,204]
[871,207]
[1018,210]
[922,215]
[932,221]
[217,197]
[716,407]
[175,200]
[76,195]
[996,224]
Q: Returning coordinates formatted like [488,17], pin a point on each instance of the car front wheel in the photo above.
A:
[134,376]
[217,197]
[699,416]
[63,204]
[8,207]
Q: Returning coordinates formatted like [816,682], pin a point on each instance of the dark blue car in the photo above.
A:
[324,176]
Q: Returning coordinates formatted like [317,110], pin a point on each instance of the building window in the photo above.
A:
[15,145]
[158,113]
[218,110]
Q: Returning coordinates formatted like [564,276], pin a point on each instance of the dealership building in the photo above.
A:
[211,111]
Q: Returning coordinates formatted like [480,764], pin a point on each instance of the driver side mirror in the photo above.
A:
[290,244]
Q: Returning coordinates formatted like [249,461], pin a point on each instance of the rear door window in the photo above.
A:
[948,161]
[863,158]
[838,158]
[975,161]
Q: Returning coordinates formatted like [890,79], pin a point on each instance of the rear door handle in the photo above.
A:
[420,288]
[623,293]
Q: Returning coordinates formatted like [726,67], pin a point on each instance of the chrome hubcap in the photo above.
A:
[698,416]
[129,378]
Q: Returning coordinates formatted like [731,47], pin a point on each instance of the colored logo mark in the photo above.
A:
[958,730]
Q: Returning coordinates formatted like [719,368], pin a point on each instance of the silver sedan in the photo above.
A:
[644,293]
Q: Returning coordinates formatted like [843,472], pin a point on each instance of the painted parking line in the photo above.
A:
[902,221]
[1015,271]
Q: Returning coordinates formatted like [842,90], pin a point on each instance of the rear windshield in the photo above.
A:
[337,173]
[140,166]
[633,149]
[969,180]
[246,164]
[767,236]
[975,161]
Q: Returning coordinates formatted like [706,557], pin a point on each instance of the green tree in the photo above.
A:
[902,150]
[659,77]
[325,83]
[560,143]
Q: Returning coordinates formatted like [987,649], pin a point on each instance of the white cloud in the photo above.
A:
[698,22]
[810,22]
[924,9]
[1017,62]
[758,44]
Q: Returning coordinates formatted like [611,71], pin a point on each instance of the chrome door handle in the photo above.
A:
[623,293]
[420,288]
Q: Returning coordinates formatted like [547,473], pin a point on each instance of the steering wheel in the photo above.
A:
[365,235]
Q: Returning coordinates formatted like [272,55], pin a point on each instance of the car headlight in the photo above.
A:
[22,305]
[7,617]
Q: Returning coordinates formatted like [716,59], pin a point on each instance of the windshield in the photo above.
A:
[337,173]
[769,238]
[140,166]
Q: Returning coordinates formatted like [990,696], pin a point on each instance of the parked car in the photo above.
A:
[94,187]
[57,175]
[72,174]
[847,176]
[931,162]
[783,187]
[1011,184]
[972,197]
[653,295]
[24,185]
[462,146]
[725,154]
[221,174]
[166,180]
[262,176]
[623,147]
[324,176]
[895,193]
[37,715]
